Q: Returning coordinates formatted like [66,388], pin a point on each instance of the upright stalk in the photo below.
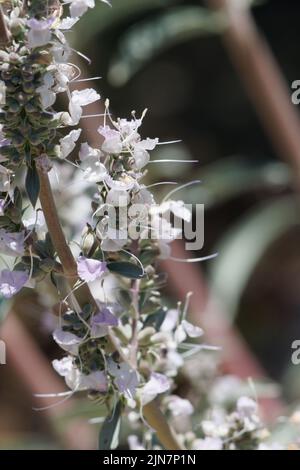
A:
[151,411]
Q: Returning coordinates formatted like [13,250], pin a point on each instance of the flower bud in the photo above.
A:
[146,335]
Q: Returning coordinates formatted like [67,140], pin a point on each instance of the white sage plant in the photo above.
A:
[125,350]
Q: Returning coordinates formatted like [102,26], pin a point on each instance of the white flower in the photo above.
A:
[125,378]
[94,170]
[77,381]
[157,384]
[125,182]
[186,329]
[61,52]
[182,331]
[84,97]
[226,390]
[144,197]
[95,381]
[79,7]
[209,443]
[112,140]
[39,33]
[36,222]
[180,406]
[87,152]
[128,130]
[68,143]
[78,100]
[67,341]
[69,371]
[170,320]
[246,407]
[11,244]
[162,229]
[48,97]
[63,74]
[113,244]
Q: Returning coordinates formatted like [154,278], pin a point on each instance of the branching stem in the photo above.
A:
[151,411]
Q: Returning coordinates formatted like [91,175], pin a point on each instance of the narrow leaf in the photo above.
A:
[32,185]
[109,433]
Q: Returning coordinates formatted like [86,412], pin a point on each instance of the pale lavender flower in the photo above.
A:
[11,282]
[183,330]
[179,406]
[125,378]
[187,329]
[140,152]
[246,407]
[117,198]
[11,244]
[95,381]
[124,183]
[93,170]
[68,143]
[79,7]
[48,97]
[208,443]
[67,369]
[101,321]
[67,341]
[78,100]
[40,32]
[90,269]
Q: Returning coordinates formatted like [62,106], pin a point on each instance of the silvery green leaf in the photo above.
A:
[109,433]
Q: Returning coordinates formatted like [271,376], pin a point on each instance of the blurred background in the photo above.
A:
[169,56]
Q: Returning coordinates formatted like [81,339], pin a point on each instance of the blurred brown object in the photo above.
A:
[263,80]
[36,372]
